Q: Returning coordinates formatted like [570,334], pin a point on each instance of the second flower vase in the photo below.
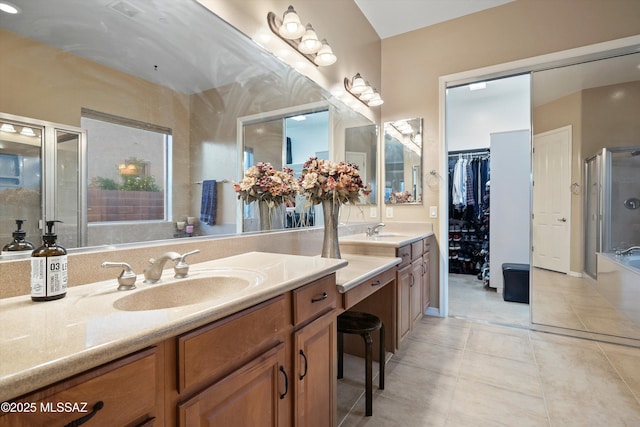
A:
[330,244]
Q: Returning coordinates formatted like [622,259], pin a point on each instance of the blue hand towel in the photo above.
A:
[209,204]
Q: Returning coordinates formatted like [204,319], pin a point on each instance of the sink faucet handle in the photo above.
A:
[127,278]
[182,268]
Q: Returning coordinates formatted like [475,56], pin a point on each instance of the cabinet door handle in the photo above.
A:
[376,283]
[286,382]
[412,280]
[99,405]
[306,365]
[322,297]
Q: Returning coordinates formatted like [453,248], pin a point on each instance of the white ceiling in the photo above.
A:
[393,17]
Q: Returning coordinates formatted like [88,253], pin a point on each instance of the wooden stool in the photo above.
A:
[354,322]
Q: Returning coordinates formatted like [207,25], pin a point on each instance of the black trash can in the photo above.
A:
[516,282]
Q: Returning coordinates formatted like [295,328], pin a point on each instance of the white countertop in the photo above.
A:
[391,239]
[44,342]
[361,268]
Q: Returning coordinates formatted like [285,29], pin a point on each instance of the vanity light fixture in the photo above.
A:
[7,127]
[27,131]
[302,38]
[363,91]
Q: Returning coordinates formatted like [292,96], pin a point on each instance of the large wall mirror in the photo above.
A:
[403,161]
[154,90]
[586,173]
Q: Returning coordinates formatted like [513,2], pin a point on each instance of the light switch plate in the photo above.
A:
[389,212]
[433,212]
[373,212]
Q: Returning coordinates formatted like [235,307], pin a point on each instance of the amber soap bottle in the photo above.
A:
[49,268]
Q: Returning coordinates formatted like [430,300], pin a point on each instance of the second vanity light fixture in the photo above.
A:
[363,91]
[303,39]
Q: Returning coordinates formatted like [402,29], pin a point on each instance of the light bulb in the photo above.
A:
[291,27]
[309,43]
[325,55]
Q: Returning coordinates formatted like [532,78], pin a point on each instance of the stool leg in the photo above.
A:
[383,355]
[340,355]
[368,374]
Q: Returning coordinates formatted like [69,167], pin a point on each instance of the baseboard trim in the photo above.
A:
[433,311]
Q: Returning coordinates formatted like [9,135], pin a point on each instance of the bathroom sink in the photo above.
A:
[197,288]
[383,235]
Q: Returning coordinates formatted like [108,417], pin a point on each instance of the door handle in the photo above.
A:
[562,219]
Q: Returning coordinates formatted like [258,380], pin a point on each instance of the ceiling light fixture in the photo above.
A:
[478,86]
[363,91]
[9,8]
[302,38]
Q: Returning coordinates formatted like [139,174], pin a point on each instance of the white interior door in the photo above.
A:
[552,199]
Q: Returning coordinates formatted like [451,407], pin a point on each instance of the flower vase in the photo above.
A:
[265,213]
[330,245]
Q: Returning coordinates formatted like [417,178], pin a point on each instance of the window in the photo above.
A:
[127,169]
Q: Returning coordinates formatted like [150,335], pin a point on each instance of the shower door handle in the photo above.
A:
[562,219]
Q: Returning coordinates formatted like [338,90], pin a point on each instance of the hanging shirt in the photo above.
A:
[457,197]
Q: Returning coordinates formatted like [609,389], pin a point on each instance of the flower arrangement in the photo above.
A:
[263,182]
[325,180]
[401,197]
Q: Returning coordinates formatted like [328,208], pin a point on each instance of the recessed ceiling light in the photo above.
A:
[9,8]
[298,118]
[477,86]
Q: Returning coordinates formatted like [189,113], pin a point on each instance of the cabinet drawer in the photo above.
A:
[214,350]
[360,292]
[314,299]
[126,388]
[404,252]
[416,250]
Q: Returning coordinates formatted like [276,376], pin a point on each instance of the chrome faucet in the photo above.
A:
[126,279]
[154,270]
[371,231]
[628,250]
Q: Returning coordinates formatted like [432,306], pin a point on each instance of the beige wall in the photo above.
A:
[413,62]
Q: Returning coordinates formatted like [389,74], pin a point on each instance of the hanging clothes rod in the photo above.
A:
[474,152]
[221,181]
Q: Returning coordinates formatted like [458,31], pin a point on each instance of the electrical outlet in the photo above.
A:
[433,212]
[373,212]
[389,212]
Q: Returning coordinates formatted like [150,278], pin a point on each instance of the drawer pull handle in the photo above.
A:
[286,383]
[376,283]
[322,297]
[406,254]
[306,365]
[99,405]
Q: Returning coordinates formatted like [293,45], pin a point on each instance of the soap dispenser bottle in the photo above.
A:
[19,243]
[49,268]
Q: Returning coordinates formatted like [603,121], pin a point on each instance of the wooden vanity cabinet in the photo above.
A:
[269,365]
[413,277]
[314,353]
[126,392]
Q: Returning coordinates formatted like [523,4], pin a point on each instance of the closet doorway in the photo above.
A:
[488,144]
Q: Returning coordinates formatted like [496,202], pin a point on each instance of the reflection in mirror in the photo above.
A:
[286,141]
[169,65]
[592,107]
[403,161]
[361,148]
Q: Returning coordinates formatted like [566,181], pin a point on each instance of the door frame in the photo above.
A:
[528,65]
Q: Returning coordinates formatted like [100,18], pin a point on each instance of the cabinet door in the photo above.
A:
[247,397]
[416,291]
[315,373]
[404,303]
[426,281]
[120,393]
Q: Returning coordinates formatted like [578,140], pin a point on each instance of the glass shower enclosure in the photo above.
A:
[612,203]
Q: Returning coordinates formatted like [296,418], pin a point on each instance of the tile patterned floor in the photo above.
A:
[474,370]
[454,372]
